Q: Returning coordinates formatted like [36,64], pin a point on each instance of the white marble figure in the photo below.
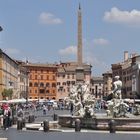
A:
[82,100]
[117,87]
[116,106]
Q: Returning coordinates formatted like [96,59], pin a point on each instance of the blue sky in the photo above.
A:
[45,31]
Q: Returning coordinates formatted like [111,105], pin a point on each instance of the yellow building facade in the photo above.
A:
[8,74]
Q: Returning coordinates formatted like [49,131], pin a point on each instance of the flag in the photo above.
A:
[1,28]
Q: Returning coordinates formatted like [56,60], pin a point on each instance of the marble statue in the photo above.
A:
[117,88]
[116,106]
[82,99]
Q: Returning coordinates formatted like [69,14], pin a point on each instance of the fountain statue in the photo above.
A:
[117,107]
[82,100]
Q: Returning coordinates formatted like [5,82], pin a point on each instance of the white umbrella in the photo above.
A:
[3,101]
[17,101]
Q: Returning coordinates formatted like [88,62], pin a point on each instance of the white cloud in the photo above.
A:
[12,51]
[101,41]
[124,17]
[71,50]
[48,18]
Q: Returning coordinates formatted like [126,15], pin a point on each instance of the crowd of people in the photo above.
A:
[9,113]
[6,115]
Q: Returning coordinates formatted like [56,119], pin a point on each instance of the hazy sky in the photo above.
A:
[45,31]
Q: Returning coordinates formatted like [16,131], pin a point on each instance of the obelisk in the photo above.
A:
[79,69]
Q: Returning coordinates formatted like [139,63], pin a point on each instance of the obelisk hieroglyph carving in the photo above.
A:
[79,69]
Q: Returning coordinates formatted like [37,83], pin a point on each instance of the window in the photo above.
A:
[53,85]
[68,89]
[42,91]
[41,77]
[47,91]
[53,77]
[41,84]
[72,82]
[58,83]
[30,84]
[47,84]
[35,84]
[68,82]
[64,83]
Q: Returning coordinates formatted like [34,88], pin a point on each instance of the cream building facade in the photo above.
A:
[107,85]
[8,74]
[128,70]
[97,87]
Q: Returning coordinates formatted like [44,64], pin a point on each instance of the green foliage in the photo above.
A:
[7,93]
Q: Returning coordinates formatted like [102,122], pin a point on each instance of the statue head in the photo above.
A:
[117,77]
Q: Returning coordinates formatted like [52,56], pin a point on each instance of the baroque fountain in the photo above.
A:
[83,109]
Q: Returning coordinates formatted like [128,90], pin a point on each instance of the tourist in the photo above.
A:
[6,117]
[44,109]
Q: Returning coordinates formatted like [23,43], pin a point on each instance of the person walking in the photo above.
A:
[6,117]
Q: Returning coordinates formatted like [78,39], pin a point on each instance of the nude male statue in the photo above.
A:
[117,87]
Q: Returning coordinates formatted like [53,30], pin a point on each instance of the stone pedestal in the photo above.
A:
[79,74]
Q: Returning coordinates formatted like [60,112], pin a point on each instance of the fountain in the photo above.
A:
[83,106]
[84,102]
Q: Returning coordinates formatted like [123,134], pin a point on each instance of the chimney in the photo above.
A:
[133,55]
[125,55]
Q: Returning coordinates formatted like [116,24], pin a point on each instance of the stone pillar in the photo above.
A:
[46,126]
[77,125]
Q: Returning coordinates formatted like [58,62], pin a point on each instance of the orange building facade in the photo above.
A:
[42,81]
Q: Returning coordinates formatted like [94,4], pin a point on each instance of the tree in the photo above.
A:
[7,93]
